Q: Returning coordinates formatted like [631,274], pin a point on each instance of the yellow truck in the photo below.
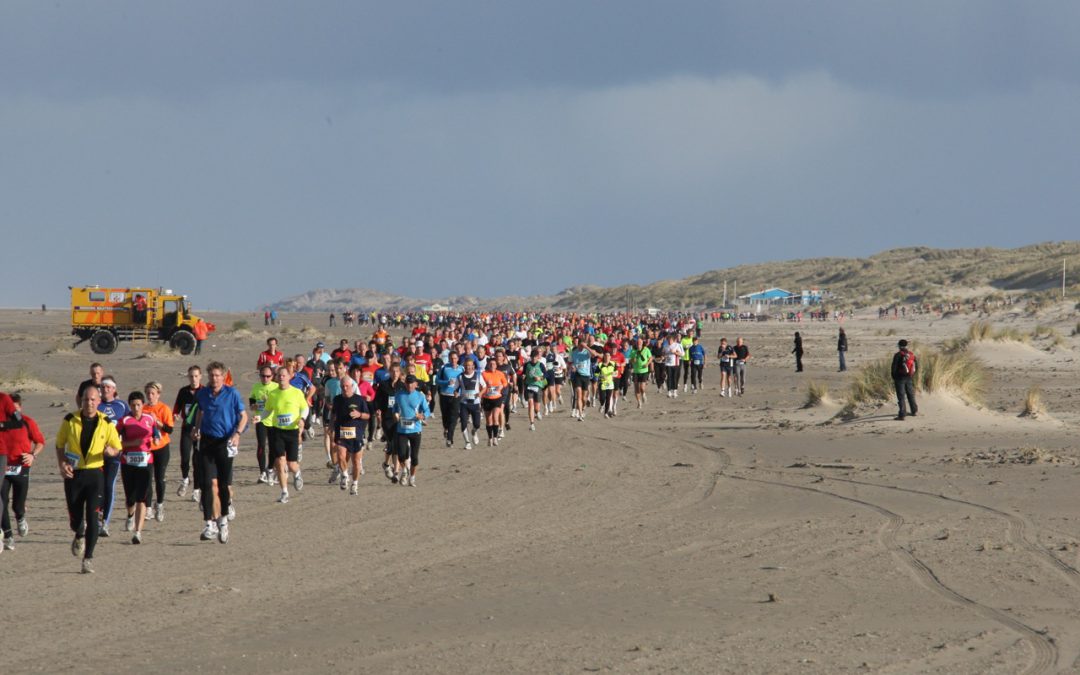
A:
[108,316]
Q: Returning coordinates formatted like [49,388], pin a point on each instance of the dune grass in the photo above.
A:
[816,394]
[241,325]
[23,379]
[955,372]
[1033,403]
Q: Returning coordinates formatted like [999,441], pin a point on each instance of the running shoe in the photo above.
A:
[354,489]
[298,482]
[196,495]
[412,481]
[495,441]
[104,531]
[181,489]
[9,544]
[78,545]
[333,475]
[24,527]
[539,416]
[87,566]
[232,513]
[722,393]
[208,532]
[388,471]
[573,413]
[344,483]
[449,442]
[159,512]
[129,524]
[284,498]
[468,445]
[264,477]
[476,437]
[223,531]
[329,464]
[404,481]
[272,476]
[300,453]
[532,426]
[394,477]
[136,538]
[502,430]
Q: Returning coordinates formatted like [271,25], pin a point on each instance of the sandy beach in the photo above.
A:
[702,534]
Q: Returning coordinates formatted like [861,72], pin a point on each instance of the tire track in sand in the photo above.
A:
[1044,651]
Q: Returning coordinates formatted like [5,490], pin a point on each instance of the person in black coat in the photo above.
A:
[841,349]
[904,367]
[798,352]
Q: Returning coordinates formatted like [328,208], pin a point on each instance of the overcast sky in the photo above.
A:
[242,152]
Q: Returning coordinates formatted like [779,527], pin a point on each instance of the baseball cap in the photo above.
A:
[319,344]
[409,379]
[902,343]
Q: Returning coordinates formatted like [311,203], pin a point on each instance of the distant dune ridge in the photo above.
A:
[916,274]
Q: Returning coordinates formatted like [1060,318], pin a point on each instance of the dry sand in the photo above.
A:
[654,542]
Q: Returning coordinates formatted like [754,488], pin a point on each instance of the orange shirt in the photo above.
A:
[496,384]
[163,414]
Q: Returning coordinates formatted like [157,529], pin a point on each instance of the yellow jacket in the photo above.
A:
[68,440]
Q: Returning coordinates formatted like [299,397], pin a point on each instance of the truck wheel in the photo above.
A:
[183,342]
[103,342]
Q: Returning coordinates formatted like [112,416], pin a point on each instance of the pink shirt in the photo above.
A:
[141,430]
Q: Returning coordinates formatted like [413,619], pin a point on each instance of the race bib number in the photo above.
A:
[533,389]
[451,383]
[409,423]
[391,401]
[348,433]
[231,450]
[14,470]
[71,458]
[137,458]
[697,362]
[494,391]
[470,395]
[284,420]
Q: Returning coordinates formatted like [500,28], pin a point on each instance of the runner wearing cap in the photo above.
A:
[25,443]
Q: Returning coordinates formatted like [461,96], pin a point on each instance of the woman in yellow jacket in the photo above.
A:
[84,439]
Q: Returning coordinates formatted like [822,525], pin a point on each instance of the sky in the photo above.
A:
[245,151]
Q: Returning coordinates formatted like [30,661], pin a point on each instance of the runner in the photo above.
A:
[672,352]
[257,402]
[742,355]
[605,372]
[220,420]
[535,383]
[686,343]
[503,365]
[163,427]
[331,389]
[136,435]
[385,397]
[641,364]
[286,408]
[448,382]
[24,445]
[184,409]
[84,440]
[410,410]
[697,364]
[349,415]
[556,370]
[271,357]
[114,410]
[726,354]
[472,387]
[495,384]
[97,374]
[581,377]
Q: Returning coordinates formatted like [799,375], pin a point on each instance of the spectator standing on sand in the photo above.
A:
[904,367]
[798,352]
[841,349]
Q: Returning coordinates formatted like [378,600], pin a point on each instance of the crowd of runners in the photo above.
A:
[473,373]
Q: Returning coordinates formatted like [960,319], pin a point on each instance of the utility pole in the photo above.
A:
[1063,279]
[725,292]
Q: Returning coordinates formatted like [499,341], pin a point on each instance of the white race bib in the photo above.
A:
[15,470]
[348,433]
[72,458]
[137,458]
[284,420]
[390,401]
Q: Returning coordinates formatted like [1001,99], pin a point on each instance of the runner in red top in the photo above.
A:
[271,357]
[26,444]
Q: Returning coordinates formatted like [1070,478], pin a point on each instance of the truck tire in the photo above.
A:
[103,342]
[183,342]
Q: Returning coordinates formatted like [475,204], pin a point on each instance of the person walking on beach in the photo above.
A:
[904,367]
[798,352]
[841,349]
[742,355]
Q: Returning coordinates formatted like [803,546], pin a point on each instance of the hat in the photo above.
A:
[410,379]
[902,343]
[319,345]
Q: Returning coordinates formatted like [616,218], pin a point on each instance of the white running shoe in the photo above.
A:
[78,546]
[196,495]
[136,538]
[449,442]
[209,532]
[223,531]
[232,513]
[532,426]
[539,416]
[574,413]
[264,477]
[284,498]
[159,513]
[24,528]
[272,476]
[686,387]
[181,489]
[378,434]
[87,566]
[502,433]
[495,441]
[344,482]
[298,482]
[412,481]
[354,489]
[9,544]
[388,471]
[129,524]
[404,480]
[468,445]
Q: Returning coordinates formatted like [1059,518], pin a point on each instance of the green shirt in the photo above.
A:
[285,408]
[686,343]
[259,393]
[605,372]
[639,360]
[534,375]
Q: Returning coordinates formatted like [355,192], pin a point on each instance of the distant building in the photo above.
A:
[779,296]
[436,308]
